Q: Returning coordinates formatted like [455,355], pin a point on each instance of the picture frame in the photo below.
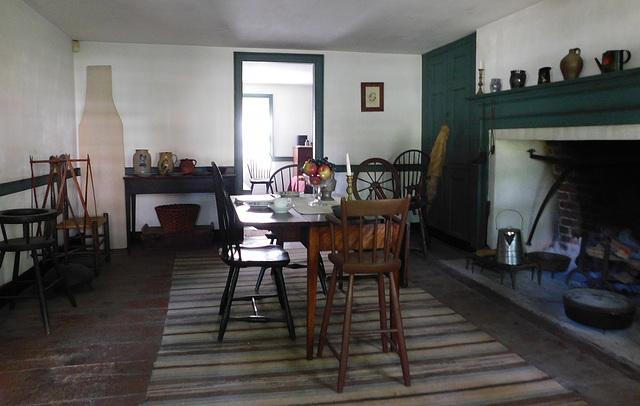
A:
[372,96]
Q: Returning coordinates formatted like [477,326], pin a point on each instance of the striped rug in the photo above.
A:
[452,362]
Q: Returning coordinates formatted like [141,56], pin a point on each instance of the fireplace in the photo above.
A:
[597,198]
[601,192]
[597,112]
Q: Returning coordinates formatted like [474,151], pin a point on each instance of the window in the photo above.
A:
[257,124]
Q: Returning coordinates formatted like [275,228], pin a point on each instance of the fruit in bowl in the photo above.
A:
[315,180]
[324,172]
[309,168]
[318,173]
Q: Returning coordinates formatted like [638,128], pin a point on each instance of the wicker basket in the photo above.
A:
[178,218]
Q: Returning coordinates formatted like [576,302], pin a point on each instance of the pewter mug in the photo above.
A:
[496,85]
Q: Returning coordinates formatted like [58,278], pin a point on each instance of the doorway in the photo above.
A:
[283,149]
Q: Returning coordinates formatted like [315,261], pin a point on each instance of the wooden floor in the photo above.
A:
[102,352]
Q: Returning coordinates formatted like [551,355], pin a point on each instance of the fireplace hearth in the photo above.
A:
[597,202]
[596,206]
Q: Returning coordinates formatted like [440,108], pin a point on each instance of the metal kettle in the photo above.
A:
[613,60]
[509,247]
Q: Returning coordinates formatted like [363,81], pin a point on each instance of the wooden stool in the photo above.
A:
[369,246]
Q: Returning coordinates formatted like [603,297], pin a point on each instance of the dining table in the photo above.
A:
[308,225]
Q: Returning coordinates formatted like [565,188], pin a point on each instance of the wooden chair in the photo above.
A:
[366,243]
[377,178]
[260,171]
[284,179]
[412,166]
[238,257]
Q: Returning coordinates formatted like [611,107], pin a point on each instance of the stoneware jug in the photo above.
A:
[518,78]
[188,165]
[141,161]
[167,162]
[571,64]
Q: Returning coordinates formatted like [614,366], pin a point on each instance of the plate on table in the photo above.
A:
[280,210]
[256,201]
[290,193]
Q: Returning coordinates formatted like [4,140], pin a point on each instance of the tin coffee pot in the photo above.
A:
[613,60]
[509,247]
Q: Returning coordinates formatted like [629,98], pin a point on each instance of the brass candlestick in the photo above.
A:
[349,187]
[480,81]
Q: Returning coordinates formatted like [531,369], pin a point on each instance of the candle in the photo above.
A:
[481,64]
[348,165]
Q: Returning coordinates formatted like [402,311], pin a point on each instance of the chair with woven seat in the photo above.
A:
[90,241]
[412,166]
[259,168]
[366,242]
[238,256]
[287,179]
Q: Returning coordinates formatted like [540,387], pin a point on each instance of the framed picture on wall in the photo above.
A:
[372,96]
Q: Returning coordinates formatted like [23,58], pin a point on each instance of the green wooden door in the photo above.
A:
[448,83]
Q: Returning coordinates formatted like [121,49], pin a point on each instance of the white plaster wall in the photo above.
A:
[37,115]
[365,135]
[540,36]
[523,184]
[180,99]
[543,34]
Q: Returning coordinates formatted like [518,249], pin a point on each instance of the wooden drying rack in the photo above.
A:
[61,169]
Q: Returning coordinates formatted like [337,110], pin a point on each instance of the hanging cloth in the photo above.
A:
[438,154]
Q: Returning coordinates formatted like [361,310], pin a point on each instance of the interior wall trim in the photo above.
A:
[17,186]
[605,99]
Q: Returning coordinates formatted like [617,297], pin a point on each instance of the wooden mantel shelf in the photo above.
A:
[605,99]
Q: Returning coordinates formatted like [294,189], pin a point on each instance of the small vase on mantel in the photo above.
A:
[142,161]
[571,65]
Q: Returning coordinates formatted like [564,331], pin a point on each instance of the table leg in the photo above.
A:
[132,230]
[127,215]
[313,251]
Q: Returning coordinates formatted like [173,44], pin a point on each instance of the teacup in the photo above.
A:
[281,202]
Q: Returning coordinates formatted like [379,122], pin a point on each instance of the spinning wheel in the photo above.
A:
[376,179]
